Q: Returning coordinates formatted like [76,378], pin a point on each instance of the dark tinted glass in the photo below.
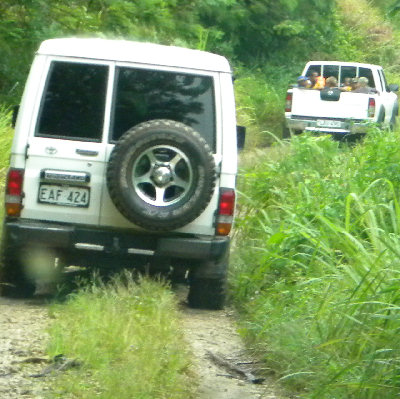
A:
[73,102]
[367,73]
[143,95]
[331,70]
[313,68]
[348,72]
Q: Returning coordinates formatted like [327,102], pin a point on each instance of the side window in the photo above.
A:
[73,102]
[367,73]
[384,81]
[142,95]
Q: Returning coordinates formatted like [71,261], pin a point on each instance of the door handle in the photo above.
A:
[87,153]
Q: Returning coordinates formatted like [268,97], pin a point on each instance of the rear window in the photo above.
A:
[73,102]
[341,72]
[367,73]
[331,70]
[348,72]
[142,95]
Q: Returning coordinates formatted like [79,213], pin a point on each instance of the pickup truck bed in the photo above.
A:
[348,114]
[337,112]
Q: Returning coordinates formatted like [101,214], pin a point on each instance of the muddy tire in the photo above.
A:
[207,293]
[393,120]
[286,133]
[13,281]
[161,175]
[208,285]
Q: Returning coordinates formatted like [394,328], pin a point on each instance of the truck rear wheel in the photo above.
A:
[14,282]
[207,293]
[208,284]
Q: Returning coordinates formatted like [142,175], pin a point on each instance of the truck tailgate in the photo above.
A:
[308,102]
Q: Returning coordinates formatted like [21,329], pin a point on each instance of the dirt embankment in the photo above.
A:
[224,368]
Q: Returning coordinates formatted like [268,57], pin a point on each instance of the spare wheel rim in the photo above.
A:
[162,175]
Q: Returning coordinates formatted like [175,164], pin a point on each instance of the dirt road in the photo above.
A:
[22,346]
[219,354]
[211,336]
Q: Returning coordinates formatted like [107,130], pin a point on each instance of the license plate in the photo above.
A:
[64,195]
[328,123]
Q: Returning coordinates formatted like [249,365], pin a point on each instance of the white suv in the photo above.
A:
[124,155]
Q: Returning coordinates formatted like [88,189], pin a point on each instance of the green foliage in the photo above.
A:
[5,145]
[316,272]
[260,105]
[5,137]
[250,33]
[127,337]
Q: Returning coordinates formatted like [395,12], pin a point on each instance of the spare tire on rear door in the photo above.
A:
[161,174]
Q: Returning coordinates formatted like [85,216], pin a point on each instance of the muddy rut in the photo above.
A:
[224,369]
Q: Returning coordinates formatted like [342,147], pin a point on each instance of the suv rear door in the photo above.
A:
[65,162]
[148,92]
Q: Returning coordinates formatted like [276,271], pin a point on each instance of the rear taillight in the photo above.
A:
[226,208]
[371,107]
[288,103]
[13,197]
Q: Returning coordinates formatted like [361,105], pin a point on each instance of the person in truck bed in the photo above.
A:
[346,86]
[303,82]
[317,82]
[331,82]
[354,84]
[363,86]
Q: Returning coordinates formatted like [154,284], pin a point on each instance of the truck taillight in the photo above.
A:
[13,197]
[226,208]
[371,107]
[288,103]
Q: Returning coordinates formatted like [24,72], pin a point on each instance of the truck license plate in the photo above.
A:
[328,123]
[64,195]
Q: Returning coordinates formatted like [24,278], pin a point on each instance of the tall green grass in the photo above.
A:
[5,138]
[316,271]
[127,336]
[6,134]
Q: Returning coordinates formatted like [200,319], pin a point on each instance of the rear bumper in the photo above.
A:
[334,126]
[80,240]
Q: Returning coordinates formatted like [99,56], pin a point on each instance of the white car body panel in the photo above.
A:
[36,154]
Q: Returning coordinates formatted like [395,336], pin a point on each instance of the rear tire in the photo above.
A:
[208,284]
[393,121]
[285,133]
[14,282]
[207,293]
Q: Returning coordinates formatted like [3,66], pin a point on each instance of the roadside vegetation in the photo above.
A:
[5,144]
[315,272]
[126,340]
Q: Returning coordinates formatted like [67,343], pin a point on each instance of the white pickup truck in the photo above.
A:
[336,111]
